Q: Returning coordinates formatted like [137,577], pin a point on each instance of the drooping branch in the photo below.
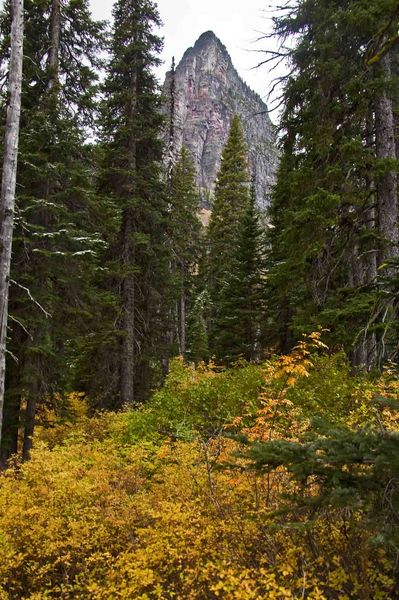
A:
[382,42]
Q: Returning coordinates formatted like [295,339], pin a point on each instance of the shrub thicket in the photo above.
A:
[165,502]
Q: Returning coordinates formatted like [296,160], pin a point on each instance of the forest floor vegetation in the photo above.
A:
[172,500]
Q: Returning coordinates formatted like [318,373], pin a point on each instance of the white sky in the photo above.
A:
[237,24]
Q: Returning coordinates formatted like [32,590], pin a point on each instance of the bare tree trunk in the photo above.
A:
[370,273]
[33,385]
[183,315]
[129,277]
[395,69]
[387,189]
[29,425]
[8,183]
[128,300]
[53,61]
[387,183]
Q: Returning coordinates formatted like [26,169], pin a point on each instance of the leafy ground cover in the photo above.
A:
[206,493]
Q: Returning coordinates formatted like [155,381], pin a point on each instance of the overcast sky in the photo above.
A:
[237,24]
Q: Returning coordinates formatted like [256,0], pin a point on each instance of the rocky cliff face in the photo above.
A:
[208,92]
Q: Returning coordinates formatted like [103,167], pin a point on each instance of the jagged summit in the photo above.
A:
[208,92]
[207,42]
[206,39]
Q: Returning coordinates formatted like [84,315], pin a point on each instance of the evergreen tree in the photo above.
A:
[131,175]
[231,199]
[198,315]
[241,301]
[185,233]
[58,231]
[245,290]
[234,262]
[333,210]
[197,334]
[342,468]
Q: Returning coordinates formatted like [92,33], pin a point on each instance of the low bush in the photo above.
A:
[181,500]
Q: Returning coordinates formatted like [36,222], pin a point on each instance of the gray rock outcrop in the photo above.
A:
[208,92]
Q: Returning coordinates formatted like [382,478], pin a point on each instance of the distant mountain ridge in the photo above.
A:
[208,92]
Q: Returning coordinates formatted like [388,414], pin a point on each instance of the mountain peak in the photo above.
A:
[206,40]
[208,37]
[208,92]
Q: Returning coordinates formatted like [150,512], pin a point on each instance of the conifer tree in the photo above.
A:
[197,332]
[245,290]
[185,232]
[241,308]
[333,209]
[58,232]
[132,153]
[231,198]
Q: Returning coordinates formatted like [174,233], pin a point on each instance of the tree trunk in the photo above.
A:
[356,276]
[8,183]
[53,60]
[183,314]
[33,389]
[128,301]
[12,402]
[129,277]
[29,425]
[395,69]
[387,201]
[370,252]
[370,271]
[387,183]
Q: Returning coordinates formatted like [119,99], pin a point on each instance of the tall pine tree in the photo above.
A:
[186,239]
[243,300]
[57,226]
[131,175]
[334,208]
[234,265]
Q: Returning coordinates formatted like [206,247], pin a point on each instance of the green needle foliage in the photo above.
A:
[234,261]
[131,123]
[232,194]
[58,231]
[186,238]
[330,242]
[337,467]
[241,300]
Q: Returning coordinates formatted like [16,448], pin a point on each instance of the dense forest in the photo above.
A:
[197,411]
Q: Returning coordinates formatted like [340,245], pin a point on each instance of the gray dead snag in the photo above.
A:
[8,182]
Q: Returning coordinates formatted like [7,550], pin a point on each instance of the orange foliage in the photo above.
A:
[94,516]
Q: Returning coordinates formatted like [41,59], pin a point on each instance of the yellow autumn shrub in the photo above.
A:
[102,511]
[96,520]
